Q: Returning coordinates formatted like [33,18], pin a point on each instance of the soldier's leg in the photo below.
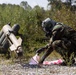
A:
[57,46]
[63,47]
[69,52]
[46,54]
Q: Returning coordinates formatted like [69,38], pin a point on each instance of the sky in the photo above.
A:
[64,0]
[32,3]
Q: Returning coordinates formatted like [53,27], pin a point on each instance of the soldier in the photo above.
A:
[62,39]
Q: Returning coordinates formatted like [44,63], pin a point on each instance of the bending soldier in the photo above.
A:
[62,39]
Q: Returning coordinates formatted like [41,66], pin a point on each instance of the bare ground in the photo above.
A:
[26,69]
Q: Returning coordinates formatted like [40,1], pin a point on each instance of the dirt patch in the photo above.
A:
[23,68]
[26,69]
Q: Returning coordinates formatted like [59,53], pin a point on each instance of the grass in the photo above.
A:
[54,55]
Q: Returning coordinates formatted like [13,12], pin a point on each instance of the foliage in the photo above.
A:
[30,20]
[25,5]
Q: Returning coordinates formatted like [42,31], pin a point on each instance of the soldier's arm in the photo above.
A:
[57,32]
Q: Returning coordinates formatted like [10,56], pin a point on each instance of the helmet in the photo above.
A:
[48,24]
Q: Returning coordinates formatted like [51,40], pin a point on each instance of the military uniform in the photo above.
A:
[63,40]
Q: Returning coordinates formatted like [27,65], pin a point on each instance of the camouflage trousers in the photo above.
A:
[64,47]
